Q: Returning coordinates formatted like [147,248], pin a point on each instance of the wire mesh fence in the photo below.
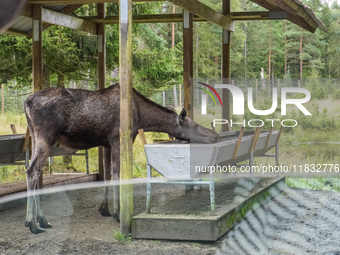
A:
[12,99]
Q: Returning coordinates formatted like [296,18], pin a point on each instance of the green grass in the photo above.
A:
[16,173]
[301,145]
[119,236]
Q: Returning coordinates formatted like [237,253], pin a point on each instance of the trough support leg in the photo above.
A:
[27,160]
[277,154]
[251,163]
[50,162]
[148,189]
[212,195]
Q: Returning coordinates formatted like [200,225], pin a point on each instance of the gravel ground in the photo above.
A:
[296,222]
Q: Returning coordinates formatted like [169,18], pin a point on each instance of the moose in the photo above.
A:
[82,119]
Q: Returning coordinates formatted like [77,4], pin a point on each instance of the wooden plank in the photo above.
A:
[187,61]
[56,18]
[142,136]
[258,129]
[126,117]
[238,143]
[27,139]
[206,12]
[15,32]
[27,12]
[101,65]
[14,130]
[255,139]
[268,138]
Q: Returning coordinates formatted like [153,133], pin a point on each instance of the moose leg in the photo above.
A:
[40,154]
[104,207]
[40,214]
[115,166]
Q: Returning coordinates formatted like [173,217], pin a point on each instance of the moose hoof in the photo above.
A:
[104,211]
[116,216]
[33,227]
[44,223]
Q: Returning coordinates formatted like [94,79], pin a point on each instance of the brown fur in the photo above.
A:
[83,119]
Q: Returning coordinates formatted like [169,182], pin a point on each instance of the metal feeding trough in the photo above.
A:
[178,161]
[15,150]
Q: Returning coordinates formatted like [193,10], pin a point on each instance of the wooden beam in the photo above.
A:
[301,22]
[71,8]
[226,67]
[295,13]
[206,12]
[188,61]
[62,2]
[56,18]
[168,18]
[37,47]
[101,42]
[126,117]
[15,32]
[27,11]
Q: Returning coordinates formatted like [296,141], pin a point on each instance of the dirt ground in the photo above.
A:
[296,222]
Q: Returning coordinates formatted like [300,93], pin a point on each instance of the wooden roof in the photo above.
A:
[57,12]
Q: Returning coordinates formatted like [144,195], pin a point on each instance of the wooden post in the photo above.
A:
[37,63]
[180,95]
[126,121]
[163,97]
[37,47]
[225,66]
[2,99]
[101,41]
[14,130]
[175,97]
[268,138]
[188,61]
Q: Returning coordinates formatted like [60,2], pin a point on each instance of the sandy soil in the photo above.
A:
[297,222]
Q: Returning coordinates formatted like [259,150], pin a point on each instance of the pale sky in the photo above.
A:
[330,2]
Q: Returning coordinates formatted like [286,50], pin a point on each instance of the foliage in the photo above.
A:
[119,236]
[16,58]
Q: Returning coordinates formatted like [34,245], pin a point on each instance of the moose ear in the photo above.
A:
[182,115]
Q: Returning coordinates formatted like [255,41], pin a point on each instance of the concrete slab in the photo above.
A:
[189,218]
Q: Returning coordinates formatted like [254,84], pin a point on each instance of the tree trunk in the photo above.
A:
[285,26]
[301,61]
[46,77]
[270,54]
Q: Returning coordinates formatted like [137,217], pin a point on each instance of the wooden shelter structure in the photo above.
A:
[37,15]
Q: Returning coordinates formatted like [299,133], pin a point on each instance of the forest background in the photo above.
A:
[281,48]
